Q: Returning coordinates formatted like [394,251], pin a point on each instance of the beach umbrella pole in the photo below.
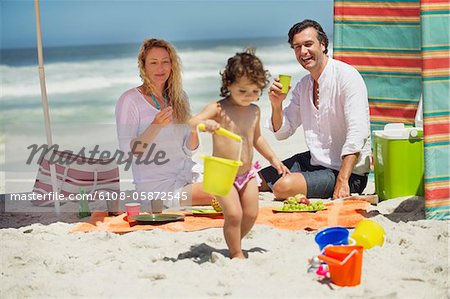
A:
[48,129]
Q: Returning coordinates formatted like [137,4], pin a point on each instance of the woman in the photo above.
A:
[152,124]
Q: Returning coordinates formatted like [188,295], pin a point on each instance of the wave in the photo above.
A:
[86,90]
[63,78]
[102,74]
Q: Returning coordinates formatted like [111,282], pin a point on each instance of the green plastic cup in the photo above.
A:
[285,80]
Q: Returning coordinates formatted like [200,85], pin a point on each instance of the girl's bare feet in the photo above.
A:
[238,256]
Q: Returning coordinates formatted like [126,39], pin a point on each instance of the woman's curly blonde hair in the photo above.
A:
[173,88]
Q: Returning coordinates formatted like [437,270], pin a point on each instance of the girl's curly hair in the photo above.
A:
[244,64]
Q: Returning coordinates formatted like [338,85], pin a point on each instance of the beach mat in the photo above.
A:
[339,213]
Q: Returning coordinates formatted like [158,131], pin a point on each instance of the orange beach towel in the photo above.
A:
[342,213]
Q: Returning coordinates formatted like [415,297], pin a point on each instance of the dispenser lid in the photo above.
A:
[397,131]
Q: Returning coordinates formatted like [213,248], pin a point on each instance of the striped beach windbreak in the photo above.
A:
[401,48]
[435,20]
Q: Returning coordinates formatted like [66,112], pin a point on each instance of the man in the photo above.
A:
[331,103]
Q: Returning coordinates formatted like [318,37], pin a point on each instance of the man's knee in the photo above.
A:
[289,185]
[282,188]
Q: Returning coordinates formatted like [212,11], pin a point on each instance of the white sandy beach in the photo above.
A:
[42,261]
[42,258]
[47,261]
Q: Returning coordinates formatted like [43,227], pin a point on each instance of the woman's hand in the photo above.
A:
[164,117]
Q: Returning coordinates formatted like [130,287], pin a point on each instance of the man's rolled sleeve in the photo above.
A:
[356,109]
[284,132]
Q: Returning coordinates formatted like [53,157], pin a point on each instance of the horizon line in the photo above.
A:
[139,42]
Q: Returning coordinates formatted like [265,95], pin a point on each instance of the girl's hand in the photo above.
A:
[211,125]
[164,117]
[280,167]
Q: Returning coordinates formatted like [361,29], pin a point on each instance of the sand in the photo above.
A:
[41,259]
[48,261]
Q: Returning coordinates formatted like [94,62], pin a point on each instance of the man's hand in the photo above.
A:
[341,188]
[276,97]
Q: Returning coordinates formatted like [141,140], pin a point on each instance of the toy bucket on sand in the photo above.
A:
[344,263]
[220,173]
[368,234]
[332,236]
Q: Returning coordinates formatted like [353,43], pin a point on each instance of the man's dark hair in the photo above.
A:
[299,27]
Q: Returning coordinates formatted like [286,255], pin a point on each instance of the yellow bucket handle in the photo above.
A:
[223,132]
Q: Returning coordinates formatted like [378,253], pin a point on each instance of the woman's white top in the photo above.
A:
[133,116]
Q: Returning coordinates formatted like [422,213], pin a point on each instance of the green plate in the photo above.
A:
[206,212]
[280,210]
[156,218]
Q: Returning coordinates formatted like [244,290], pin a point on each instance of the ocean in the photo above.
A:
[85,82]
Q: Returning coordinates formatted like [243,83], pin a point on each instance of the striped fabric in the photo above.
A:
[382,40]
[435,18]
[401,48]
[74,172]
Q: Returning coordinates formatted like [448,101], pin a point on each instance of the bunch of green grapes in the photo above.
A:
[317,206]
[291,204]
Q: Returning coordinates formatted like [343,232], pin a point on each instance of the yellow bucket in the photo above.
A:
[220,173]
[368,233]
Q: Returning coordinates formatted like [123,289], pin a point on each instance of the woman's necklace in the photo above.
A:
[153,97]
[316,94]
[157,106]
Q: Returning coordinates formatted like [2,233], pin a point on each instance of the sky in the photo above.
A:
[87,22]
